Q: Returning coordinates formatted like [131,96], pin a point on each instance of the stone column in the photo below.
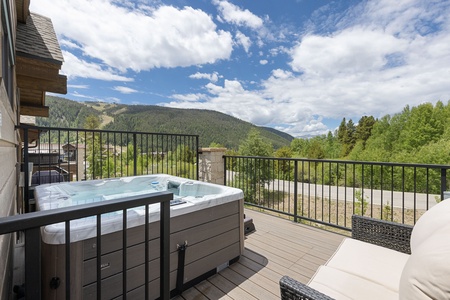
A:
[211,165]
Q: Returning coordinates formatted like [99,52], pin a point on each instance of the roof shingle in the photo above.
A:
[36,38]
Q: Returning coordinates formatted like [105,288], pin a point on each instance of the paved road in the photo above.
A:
[400,200]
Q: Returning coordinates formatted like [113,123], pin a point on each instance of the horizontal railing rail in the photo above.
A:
[31,224]
[329,192]
[67,154]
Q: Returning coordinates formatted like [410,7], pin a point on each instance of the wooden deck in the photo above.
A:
[278,247]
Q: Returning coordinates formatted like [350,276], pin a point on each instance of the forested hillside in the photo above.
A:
[416,135]
[65,113]
[211,126]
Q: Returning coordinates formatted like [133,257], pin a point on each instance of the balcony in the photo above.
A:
[278,247]
[301,208]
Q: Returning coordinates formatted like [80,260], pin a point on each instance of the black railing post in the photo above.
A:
[443,182]
[33,262]
[165,250]
[296,191]
[26,187]
[224,170]
[198,157]
[135,154]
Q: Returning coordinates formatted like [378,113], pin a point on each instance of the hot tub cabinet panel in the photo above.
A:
[215,237]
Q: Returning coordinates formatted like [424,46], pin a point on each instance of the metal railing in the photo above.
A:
[329,192]
[31,224]
[85,154]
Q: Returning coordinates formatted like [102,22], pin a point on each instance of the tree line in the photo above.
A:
[417,135]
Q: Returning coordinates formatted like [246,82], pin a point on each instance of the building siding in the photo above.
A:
[8,162]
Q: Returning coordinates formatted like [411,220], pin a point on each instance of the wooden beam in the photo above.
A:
[35,68]
[23,10]
[58,86]
[32,97]
[38,111]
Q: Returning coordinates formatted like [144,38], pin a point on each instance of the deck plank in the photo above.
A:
[232,290]
[212,291]
[278,247]
[257,278]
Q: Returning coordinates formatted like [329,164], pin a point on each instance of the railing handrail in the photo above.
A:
[26,126]
[179,154]
[46,217]
[327,191]
[31,224]
[394,164]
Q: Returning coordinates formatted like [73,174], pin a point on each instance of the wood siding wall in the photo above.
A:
[8,174]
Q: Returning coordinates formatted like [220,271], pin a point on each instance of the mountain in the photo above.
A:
[211,126]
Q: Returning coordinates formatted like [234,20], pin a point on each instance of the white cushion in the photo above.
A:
[427,272]
[342,285]
[435,218]
[378,264]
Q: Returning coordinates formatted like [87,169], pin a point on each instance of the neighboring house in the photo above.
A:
[30,65]
[70,152]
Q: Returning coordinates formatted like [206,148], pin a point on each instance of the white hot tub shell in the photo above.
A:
[208,217]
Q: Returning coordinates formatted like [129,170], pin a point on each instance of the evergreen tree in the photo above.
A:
[342,131]
[351,134]
[364,129]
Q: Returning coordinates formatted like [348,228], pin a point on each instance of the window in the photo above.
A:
[7,51]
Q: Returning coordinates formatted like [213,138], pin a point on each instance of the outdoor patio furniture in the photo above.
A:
[384,260]
[46,176]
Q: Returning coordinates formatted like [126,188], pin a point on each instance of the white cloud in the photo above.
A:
[78,86]
[278,73]
[230,99]
[278,50]
[75,67]
[372,66]
[213,77]
[372,60]
[138,38]
[351,51]
[78,95]
[82,97]
[263,62]
[68,44]
[124,90]
[368,68]
[243,40]
[235,15]
[189,97]
[307,127]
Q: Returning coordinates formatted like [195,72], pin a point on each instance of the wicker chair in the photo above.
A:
[382,233]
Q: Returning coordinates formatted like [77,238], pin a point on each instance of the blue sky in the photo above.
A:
[298,66]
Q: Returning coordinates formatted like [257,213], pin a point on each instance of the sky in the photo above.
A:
[299,66]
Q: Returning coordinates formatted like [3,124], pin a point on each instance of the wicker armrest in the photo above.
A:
[291,289]
[382,233]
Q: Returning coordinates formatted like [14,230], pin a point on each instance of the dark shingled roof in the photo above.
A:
[37,39]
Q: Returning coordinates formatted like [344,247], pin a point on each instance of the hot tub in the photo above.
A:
[208,217]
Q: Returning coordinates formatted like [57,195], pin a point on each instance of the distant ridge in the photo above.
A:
[211,126]
[280,133]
